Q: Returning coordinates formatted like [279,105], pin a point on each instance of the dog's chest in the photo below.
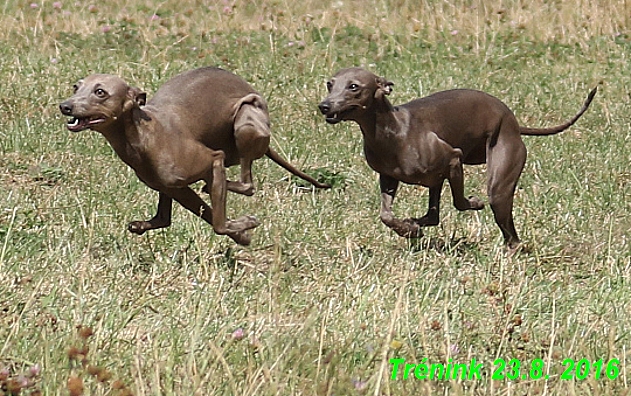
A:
[404,163]
[155,166]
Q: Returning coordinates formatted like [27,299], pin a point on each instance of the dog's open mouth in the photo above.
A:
[77,124]
[333,118]
[339,116]
[344,114]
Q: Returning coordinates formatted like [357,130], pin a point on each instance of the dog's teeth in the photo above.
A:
[74,122]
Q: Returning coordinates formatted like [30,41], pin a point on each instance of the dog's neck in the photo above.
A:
[382,105]
[380,120]
[124,137]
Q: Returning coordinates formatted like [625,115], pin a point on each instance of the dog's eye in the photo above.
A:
[100,92]
[75,88]
[353,87]
[329,86]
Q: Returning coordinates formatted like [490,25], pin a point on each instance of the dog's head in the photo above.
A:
[99,100]
[351,92]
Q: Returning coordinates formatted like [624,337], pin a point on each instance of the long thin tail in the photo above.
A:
[274,156]
[562,127]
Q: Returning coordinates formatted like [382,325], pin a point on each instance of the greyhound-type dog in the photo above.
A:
[428,140]
[196,125]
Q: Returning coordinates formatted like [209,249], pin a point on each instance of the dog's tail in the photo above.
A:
[274,156]
[562,127]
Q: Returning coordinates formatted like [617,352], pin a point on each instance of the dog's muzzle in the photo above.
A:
[326,110]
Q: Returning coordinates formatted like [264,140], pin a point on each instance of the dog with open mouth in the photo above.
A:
[428,140]
[196,125]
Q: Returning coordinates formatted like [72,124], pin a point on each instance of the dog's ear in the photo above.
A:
[135,98]
[384,87]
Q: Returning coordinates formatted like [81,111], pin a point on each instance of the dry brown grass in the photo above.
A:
[562,21]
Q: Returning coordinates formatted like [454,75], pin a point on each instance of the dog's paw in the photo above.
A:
[239,188]
[243,238]
[516,247]
[475,203]
[408,228]
[138,227]
[427,220]
[243,223]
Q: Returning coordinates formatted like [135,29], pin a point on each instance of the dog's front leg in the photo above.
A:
[162,218]
[432,217]
[191,201]
[407,228]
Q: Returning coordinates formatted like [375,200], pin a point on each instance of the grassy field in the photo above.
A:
[326,295]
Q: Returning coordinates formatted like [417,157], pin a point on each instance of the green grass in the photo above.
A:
[326,294]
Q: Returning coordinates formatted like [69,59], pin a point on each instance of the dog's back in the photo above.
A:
[464,118]
[186,97]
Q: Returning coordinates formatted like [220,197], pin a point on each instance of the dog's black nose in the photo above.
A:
[66,108]
[325,107]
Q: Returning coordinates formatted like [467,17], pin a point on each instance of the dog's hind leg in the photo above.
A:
[456,182]
[505,162]
[252,135]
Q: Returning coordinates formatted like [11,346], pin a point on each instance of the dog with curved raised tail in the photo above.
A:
[427,141]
